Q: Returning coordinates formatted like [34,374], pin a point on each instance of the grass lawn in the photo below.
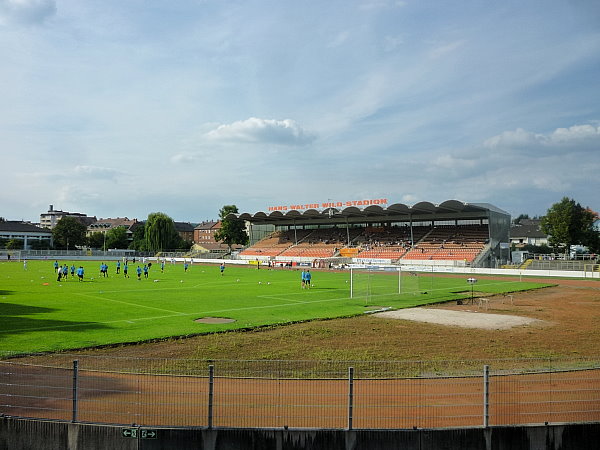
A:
[37,313]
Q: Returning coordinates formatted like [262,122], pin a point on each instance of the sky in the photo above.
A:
[122,108]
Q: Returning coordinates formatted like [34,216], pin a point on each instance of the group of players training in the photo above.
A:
[62,270]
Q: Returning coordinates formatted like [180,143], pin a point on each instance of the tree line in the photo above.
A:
[566,224]
[156,234]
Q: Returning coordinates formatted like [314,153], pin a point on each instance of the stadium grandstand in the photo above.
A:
[450,233]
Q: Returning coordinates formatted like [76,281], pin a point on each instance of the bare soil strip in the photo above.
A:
[459,318]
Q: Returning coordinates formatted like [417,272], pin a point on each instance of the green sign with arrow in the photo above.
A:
[141,433]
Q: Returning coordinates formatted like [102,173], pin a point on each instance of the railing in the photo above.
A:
[562,256]
[63,254]
[557,264]
[302,394]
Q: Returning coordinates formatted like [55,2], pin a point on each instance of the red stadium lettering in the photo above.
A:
[330,204]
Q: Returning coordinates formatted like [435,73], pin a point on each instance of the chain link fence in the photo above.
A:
[301,394]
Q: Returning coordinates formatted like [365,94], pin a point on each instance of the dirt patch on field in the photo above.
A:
[214,320]
[464,319]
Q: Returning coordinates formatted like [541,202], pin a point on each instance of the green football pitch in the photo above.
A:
[39,313]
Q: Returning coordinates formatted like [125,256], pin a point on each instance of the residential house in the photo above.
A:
[185,230]
[527,232]
[51,218]
[103,225]
[204,237]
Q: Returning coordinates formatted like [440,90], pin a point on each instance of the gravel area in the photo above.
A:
[459,318]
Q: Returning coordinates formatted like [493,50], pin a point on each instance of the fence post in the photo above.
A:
[486,396]
[211,380]
[350,395]
[75,382]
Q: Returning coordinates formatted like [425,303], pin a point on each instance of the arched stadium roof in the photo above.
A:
[450,209]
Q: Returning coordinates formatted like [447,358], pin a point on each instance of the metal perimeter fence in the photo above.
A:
[301,394]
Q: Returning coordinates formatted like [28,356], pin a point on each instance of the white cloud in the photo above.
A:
[381,4]
[409,199]
[444,49]
[183,158]
[450,162]
[391,43]
[575,138]
[97,172]
[26,11]
[512,139]
[574,134]
[339,39]
[267,131]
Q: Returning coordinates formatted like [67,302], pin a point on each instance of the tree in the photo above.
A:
[567,223]
[69,232]
[139,238]
[96,240]
[117,237]
[232,230]
[520,218]
[160,233]
[14,244]
[40,245]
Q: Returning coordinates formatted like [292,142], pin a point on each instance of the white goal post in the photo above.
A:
[591,270]
[371,281]
[10,255]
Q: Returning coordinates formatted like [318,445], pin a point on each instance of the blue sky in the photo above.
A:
[122,108]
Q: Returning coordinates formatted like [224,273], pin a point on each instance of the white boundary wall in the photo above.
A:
[438,268]
[435,268]
[510,272]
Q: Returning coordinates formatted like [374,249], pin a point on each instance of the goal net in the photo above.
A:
[374,282]
[10,255]
[591,270]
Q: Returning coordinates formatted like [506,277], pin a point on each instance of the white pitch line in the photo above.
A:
[128,303]
[139,319]
[248,308]
[180,314]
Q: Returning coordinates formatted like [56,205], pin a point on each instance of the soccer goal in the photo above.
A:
[373,282]
[10,255]
[591,270]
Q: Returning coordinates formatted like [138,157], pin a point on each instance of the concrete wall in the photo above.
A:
[21,434]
